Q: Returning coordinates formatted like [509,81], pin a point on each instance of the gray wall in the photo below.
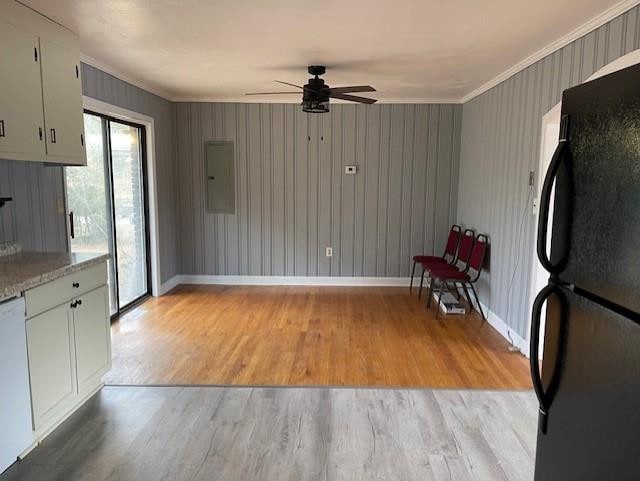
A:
[293,198]
[500,145]
[32,218]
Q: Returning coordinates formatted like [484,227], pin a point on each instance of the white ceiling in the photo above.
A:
[410,50]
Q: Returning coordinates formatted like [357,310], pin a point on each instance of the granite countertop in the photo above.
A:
[21,271]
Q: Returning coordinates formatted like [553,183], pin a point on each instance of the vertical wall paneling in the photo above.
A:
[500,145]
[32,218]
[294,199]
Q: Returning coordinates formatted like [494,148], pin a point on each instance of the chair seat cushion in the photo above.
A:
[429,266]
[449,274]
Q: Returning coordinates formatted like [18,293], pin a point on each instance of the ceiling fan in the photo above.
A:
[316,93]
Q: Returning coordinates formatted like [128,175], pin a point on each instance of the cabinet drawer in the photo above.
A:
[54,293]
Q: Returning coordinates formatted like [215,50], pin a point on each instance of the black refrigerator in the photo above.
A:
[589,383]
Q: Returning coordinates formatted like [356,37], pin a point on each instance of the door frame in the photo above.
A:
[553,115]
[131,117]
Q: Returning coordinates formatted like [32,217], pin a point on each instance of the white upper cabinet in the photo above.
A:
[21,116]
[62,94]
[40,89]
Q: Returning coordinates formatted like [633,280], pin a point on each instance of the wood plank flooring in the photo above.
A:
[327,336]
[289,434]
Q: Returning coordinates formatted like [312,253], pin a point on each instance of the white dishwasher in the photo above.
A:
[15,399]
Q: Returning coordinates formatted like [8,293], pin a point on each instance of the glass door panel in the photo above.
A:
[107,205]
[129,211]
[89,199]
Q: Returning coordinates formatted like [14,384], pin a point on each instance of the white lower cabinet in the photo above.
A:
[51,363]
[68,346]
[93,349]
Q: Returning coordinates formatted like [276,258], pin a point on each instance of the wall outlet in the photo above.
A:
[329,251]
[350,169]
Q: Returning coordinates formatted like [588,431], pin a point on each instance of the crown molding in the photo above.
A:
[125,77]
[596,22]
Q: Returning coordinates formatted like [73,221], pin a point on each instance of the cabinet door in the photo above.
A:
[93,338]
[62,92]
[21,117]
[51,363]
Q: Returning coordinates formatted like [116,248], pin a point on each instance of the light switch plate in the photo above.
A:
[350,169]
[329,251]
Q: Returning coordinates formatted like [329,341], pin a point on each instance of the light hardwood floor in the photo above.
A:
[329,336]
[289,434]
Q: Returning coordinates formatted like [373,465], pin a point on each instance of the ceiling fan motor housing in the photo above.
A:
[315,94]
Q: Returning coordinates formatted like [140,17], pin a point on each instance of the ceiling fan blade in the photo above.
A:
[273,93]
[355,88]
[287,83]
[352,98]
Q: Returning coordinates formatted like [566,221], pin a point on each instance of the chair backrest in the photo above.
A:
[478,253]
[453,241]
[466,247]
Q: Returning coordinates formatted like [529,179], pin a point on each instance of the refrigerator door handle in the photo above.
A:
[545,396]
[545,202]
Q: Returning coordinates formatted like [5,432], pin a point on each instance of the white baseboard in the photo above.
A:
[283,281]
[290,280]
[505,331]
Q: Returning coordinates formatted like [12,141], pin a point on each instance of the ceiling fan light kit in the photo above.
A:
[316,94]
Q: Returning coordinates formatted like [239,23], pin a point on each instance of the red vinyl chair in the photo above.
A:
[464,252]
[449,256]
[463,278]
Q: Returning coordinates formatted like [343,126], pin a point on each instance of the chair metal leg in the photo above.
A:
[413,271]
[455,290]
[475,294]
[466,293]
[442,284]
[421,283]
[430,292]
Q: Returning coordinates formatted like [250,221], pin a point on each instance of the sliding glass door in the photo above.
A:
[107,205]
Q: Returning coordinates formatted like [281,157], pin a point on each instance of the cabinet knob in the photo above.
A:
[79,302]
[76,285]
[73,305]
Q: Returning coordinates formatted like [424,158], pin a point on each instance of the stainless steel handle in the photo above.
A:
[2,132]
[53,136]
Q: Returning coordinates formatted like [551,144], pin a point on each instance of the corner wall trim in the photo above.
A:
[611,13]
[167,286]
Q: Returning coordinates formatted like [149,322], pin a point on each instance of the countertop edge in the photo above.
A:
[19,288]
